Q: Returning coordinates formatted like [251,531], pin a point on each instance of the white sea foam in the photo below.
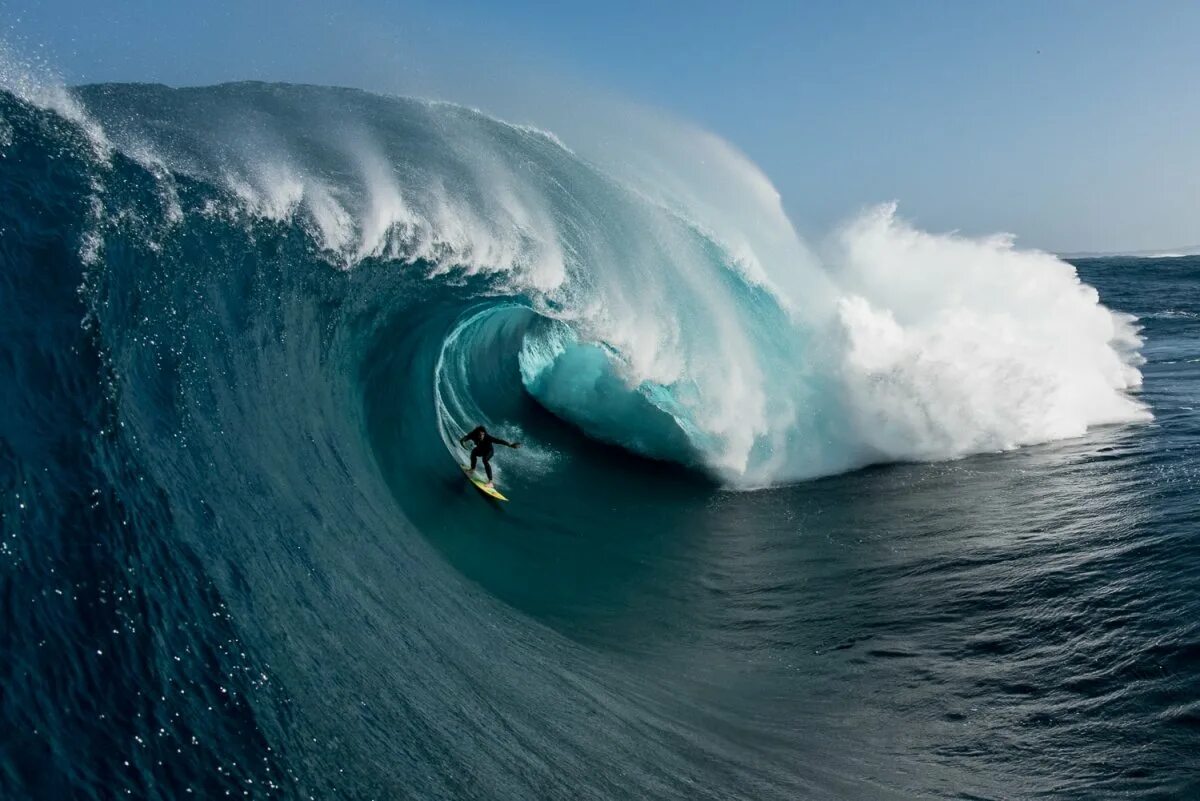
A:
[957,345]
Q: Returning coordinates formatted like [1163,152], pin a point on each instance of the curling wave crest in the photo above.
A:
[679,317]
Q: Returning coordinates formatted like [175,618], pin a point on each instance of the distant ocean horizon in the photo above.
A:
[1153,253]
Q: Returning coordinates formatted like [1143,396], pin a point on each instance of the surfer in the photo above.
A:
[483,448]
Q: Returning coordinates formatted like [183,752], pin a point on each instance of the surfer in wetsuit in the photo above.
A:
[483,448]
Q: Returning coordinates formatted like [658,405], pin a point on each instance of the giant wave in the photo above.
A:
[666,331]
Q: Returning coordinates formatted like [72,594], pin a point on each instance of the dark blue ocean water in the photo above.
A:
[237,560]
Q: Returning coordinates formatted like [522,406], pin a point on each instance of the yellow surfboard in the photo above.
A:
[481,485]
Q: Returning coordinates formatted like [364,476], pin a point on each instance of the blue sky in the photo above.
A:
[1075,125]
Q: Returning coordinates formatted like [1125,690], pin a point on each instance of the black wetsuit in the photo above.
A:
[483,447]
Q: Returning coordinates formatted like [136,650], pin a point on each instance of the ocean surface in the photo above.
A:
[901,515]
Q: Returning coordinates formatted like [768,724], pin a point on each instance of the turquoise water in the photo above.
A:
[913,519]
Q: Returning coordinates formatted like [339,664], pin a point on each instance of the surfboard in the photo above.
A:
[481,485]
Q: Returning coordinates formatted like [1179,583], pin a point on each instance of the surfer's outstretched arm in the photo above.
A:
[502,442]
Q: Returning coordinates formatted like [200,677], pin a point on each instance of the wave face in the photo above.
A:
[232,498]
